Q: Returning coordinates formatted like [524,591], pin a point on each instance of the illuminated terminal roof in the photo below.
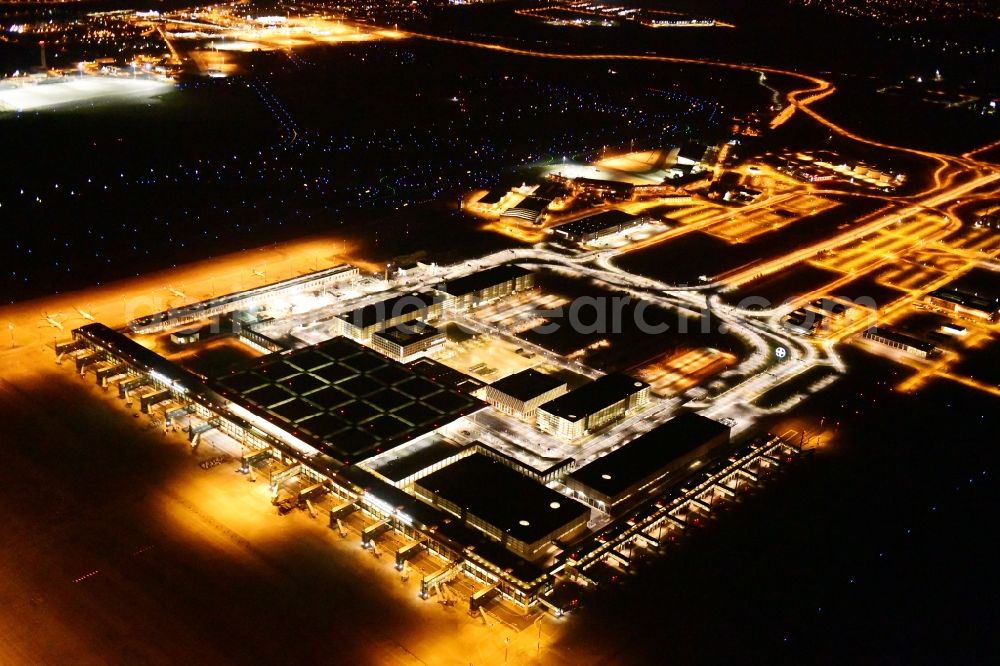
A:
[345,399]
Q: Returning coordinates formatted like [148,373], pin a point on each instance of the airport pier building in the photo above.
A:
[525,517]
[629,474]
[964,304]
[243,300]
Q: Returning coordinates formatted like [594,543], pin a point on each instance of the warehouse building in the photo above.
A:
[407,341]
[522,515]
[598,225]
[610,190]
[902,341]
[520,394]
[627,475]
[592,406]
[361,323]
[963,303]
[530,209]
[480,288]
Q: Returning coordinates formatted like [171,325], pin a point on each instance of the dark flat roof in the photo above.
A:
[449,529]
[351,404]
[491,277]
[597,223]
[549,190]
[448,376]
[527,384]
[593,396]
[644,456]
[408,333]
[492,196]
[403,304]
[503,498]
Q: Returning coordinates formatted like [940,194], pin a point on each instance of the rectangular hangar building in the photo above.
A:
[598,225]
[521,514]
[361,323]
[485,286]
[342,398]
[521,393]
[530,209]
[647,462]
[591,406]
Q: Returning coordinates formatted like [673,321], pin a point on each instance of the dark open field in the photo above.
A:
[866,287]
[777,288]
[682,260]
[867,553]
[630,342]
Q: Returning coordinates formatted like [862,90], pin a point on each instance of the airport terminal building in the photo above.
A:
[524,516]
[369,430]
[399,442]
[591,228]
[485,286]
[592,406]
[615,481]
[521,393]
[407,341]
[362,323]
